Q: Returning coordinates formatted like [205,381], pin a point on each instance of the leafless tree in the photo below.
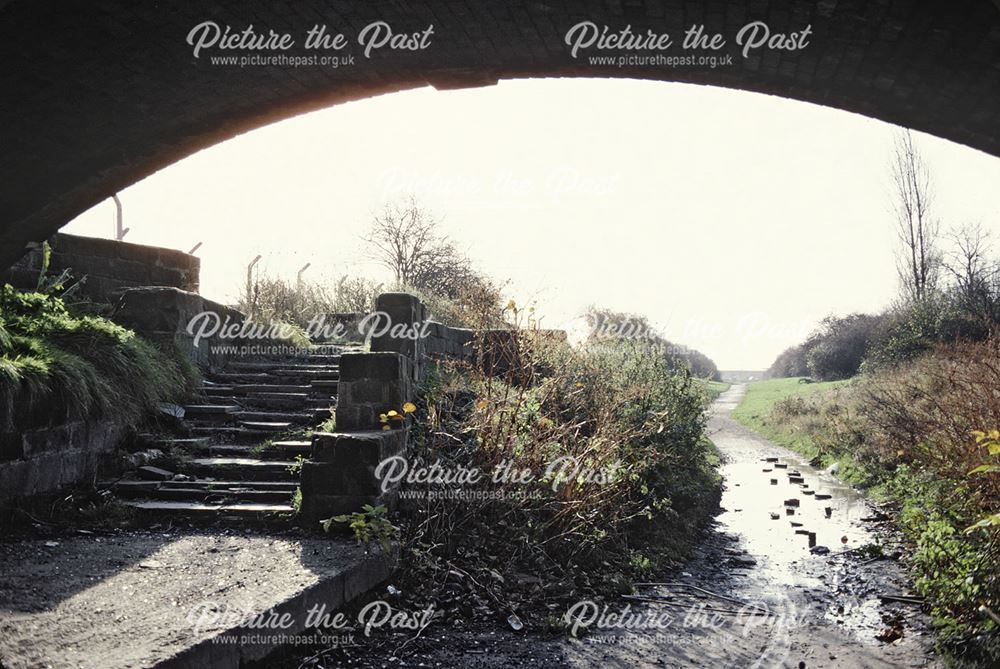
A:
[919,260]
[405,239]
[975,272]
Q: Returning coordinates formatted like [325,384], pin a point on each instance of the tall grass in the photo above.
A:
[57,366]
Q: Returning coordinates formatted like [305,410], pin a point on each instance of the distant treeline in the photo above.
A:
[842,346]
[605,324]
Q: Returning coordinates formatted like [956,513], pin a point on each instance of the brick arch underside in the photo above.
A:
[100,94]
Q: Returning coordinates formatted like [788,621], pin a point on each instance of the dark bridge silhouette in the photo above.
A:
[100,94]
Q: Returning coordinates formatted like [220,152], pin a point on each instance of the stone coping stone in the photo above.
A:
[131,599]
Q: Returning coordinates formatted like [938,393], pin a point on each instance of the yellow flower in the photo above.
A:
[386,428]
[511,305]
[409,407]
[482,404]
[392,414]
[383,418]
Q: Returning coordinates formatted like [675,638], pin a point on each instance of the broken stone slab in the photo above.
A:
[792,502]
[150,473]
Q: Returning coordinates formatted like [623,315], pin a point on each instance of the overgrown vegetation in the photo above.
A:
[58,365]
[594,469]
[275,300]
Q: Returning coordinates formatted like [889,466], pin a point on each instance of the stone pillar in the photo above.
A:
[372,384]
[406,316]
[340,476]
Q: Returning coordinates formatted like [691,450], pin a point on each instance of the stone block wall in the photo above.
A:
[163,315]
[110,266]
[46,459]
[371,384]
[340,475]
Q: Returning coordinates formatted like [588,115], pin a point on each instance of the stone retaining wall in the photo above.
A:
[107,267]
[163,315]
[46,459]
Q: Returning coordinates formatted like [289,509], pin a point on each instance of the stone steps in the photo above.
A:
[244,509]
[239,469]
[236,455]
[194,411]
[248,388]
[240,434]
[187,443]
[199,491]
[285,367]
[275,377]
[280,450]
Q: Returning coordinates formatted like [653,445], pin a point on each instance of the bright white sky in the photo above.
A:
[734,221]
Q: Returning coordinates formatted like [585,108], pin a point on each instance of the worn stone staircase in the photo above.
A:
[240,440]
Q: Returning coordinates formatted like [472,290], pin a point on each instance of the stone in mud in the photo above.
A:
[792,502]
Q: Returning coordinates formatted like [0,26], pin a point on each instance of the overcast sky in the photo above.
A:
[734,221]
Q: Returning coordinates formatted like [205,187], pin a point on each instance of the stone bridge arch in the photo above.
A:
[102,93]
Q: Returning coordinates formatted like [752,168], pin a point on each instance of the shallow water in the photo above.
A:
[785,566]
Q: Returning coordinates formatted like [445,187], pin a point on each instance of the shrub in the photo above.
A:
[914,328]
[632,424]
[838,348]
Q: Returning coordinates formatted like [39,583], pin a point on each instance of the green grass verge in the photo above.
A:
[754,411]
